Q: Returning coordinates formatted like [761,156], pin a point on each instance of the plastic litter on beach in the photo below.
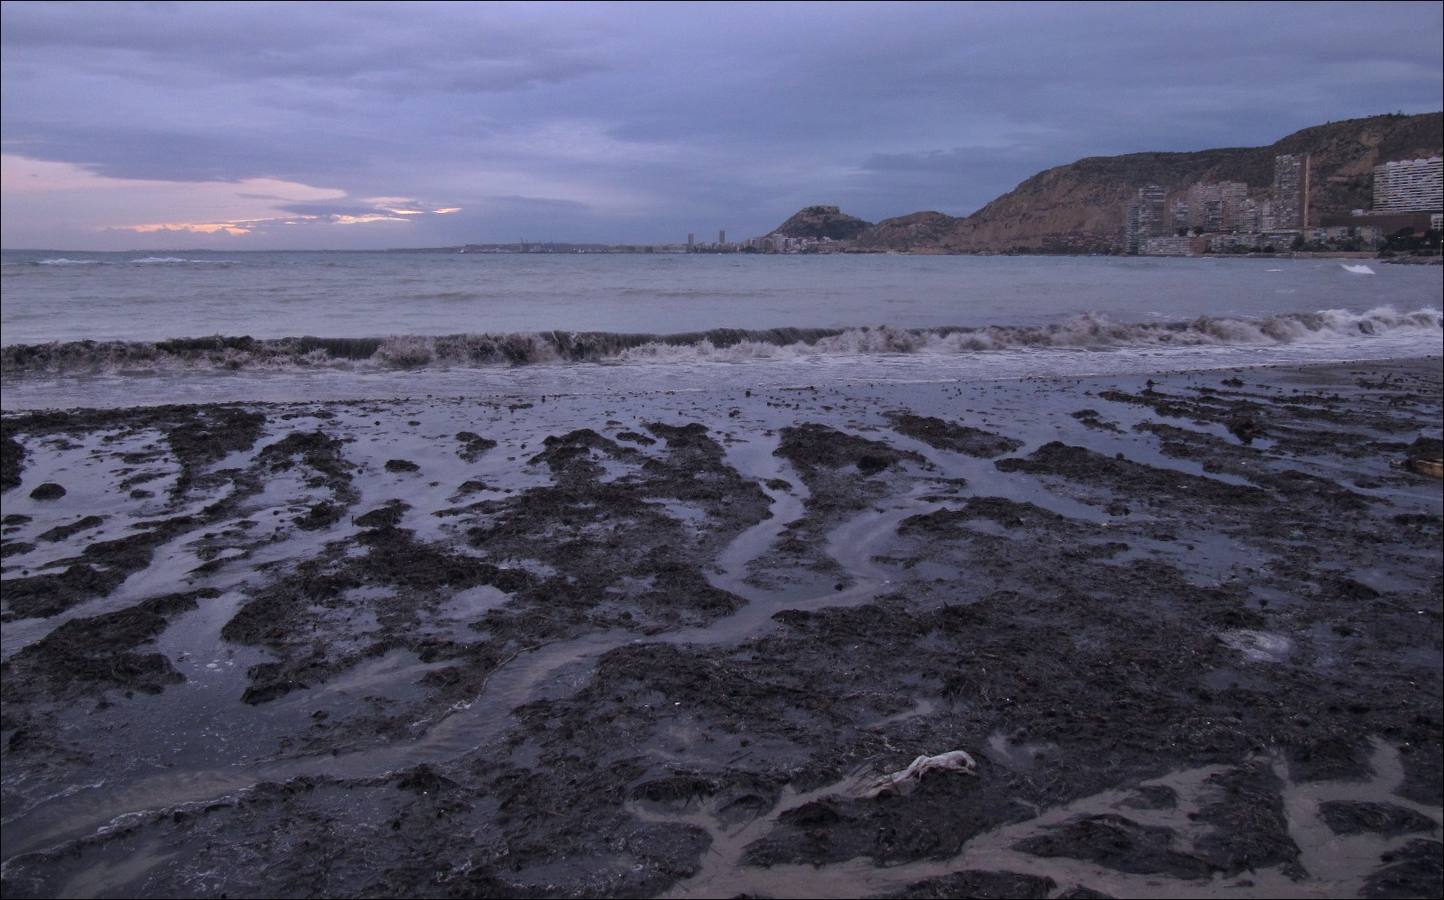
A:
[953,760]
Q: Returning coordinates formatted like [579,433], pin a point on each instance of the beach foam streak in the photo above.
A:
[401,352]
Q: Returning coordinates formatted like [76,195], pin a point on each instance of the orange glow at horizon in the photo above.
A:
[363,220]
[231,228]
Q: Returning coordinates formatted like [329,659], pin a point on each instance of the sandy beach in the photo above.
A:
[937,450]
[1186,628]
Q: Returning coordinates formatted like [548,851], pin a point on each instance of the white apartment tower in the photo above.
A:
[1410,185]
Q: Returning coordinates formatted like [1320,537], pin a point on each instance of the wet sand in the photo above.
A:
[1188,627]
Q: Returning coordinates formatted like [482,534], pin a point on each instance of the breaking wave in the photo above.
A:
[1088,332]
[138,261]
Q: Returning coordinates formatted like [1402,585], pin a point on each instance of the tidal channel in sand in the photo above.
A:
[653,644]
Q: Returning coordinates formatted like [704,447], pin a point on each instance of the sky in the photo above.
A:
[366,126]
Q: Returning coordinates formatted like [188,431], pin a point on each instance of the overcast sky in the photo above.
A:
[251,125]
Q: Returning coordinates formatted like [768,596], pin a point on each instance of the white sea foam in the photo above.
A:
[273,295]
[1090,333]
[66,261]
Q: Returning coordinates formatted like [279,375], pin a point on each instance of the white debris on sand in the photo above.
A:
[953,760]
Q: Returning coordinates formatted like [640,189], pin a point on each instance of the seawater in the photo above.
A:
[341,325]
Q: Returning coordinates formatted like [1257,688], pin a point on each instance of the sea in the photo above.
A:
[140,328]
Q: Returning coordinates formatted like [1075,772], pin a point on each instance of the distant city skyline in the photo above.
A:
[306,126]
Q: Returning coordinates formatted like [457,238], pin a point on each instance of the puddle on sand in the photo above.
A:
[1020,756]
[563,666]
[468,726]
[1257,646]
[97,879]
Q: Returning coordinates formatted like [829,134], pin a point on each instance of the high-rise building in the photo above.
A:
[1250,217]
[1147,216]
[1180,215]
[1268,216]
[1410,185]
[1199,197]
[1291,191]
[1131,241]
[722,236]
[1233,197]
[691,240]
[1213,216]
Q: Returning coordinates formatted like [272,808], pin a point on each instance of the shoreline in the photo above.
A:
[632,250]
[618,395]
[1186,624]
[448,387]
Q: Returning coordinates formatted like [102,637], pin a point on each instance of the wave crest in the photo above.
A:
[1088,332]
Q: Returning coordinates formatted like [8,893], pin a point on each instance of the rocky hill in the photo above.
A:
[1079,208]
[917,232]
[823,222]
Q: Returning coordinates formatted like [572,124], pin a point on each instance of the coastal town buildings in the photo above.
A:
[1205,207]
[1174,245]
[1226,216]
[1410,185]
[1181,215]
[1215,207]
[1221,217]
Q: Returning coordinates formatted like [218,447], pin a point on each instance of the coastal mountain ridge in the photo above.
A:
[1080,207]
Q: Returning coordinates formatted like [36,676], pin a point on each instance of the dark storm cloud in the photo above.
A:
[643,122]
